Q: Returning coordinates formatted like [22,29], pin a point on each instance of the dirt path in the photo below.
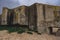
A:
[4,35]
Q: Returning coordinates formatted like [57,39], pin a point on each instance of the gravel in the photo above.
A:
[4,35]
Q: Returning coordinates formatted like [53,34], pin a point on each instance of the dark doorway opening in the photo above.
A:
[50,30]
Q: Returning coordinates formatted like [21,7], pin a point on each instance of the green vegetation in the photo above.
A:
[17,29]
[21,30]
[13,29]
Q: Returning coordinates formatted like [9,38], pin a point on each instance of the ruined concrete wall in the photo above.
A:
[49,13]
[10,16]
[15,19]
[57,15]
[23,16]
[32,17]
[26,15]
[40,19]
[4,16]
[52,15]
[36,18]
[20,16]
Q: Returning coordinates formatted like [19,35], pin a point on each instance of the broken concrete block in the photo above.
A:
[41,29]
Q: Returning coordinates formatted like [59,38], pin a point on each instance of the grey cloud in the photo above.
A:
[15,3]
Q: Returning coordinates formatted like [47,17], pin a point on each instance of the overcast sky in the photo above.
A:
[16,3]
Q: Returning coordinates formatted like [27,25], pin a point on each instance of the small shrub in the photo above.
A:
[2,28]
[21,30]
[11,29]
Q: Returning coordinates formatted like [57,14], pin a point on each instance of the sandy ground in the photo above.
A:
[4,35]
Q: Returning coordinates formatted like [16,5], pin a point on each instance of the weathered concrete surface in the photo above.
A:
[40,16]
[49,13]
[4,16]
[32,17]
[55,30]
[10,16]
[20,16]
[35,16]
